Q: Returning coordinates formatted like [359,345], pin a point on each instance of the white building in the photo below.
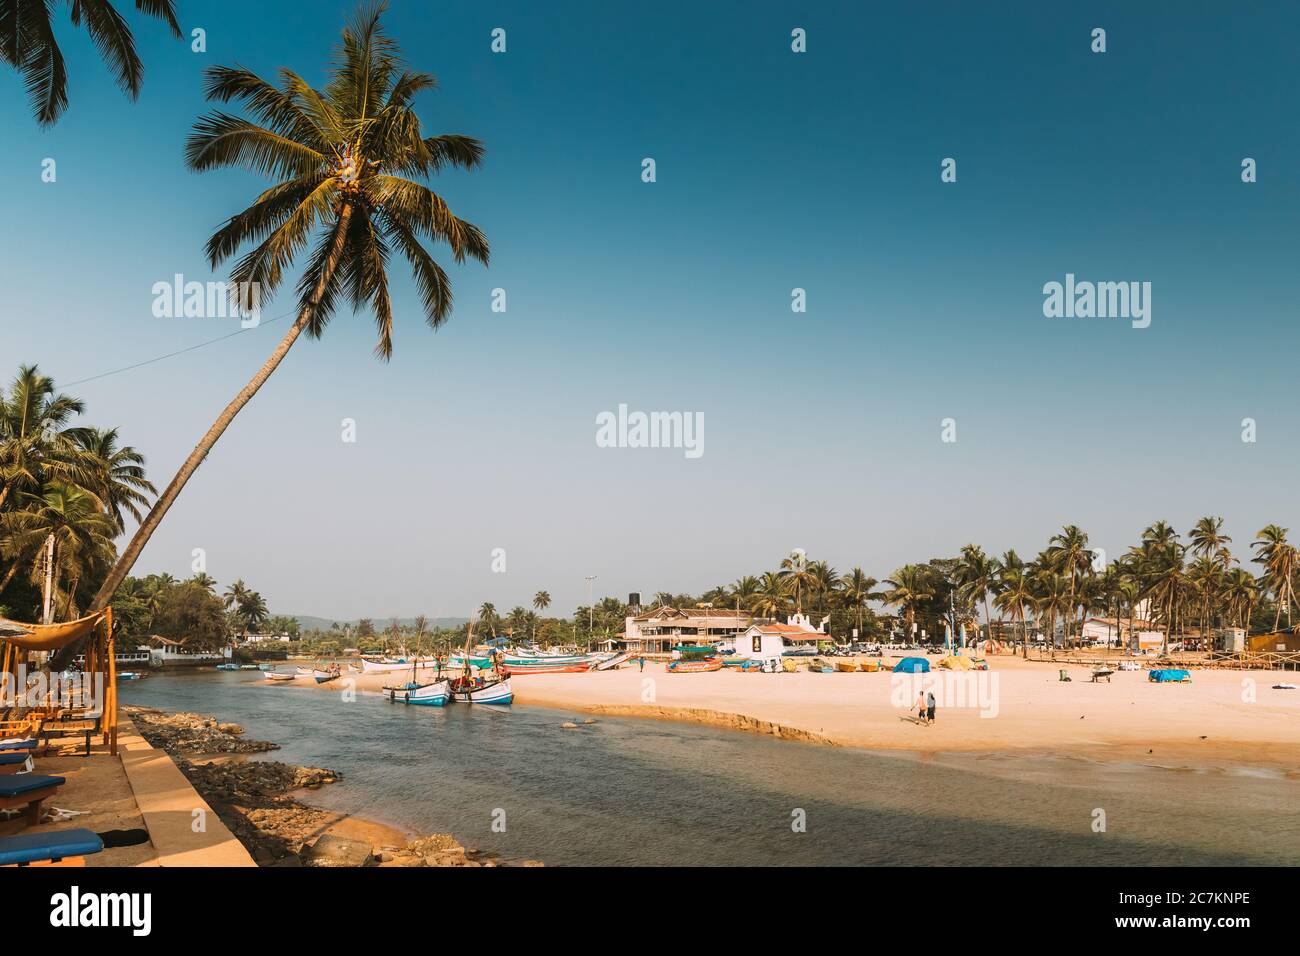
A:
[164,652]
[1105,631]
[767,642]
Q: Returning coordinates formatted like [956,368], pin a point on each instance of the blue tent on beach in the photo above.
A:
[912,665]
[1169,674]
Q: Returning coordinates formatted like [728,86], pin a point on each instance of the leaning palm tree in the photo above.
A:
[28,44]
[340,157]
[1280,560]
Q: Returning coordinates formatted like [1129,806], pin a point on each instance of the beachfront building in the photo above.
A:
[767,642]
[1105,631]
[657,631]
[164,652]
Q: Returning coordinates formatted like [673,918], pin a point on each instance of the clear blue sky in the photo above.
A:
[775,170]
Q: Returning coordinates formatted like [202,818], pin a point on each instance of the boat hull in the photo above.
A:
[695,667]
[324,677]
[494,693]
[279,678]
[378,667]
[425,695]
[549,668]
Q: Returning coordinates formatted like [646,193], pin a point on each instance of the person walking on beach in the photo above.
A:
[929,707]
[920,709]
[641,661]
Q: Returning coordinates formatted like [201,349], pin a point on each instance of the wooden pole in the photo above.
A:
[110,711]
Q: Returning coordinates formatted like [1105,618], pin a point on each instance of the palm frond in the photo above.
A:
[220,139]
[112,38]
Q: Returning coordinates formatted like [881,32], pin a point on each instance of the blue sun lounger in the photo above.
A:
[25,791]
[58,846]
[14,761]
[22,743]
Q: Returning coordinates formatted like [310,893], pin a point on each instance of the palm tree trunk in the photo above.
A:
[201,450]
[9,575]
[47,595]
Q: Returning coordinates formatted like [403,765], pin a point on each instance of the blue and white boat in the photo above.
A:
[429,695]
[477,690]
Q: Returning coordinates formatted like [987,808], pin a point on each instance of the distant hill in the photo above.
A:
[306,622]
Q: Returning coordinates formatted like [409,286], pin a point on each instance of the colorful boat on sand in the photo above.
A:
[436,694]
[535,668]
[695,666]
[325,675]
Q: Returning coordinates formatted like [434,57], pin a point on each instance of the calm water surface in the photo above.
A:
[626,791]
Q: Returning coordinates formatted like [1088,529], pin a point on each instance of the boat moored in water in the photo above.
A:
[435,694]
[473,689]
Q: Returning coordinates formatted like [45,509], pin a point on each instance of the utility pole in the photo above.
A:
[591,610]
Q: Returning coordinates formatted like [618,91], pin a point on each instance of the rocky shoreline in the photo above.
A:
[254,798]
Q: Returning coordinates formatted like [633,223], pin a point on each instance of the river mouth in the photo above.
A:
[629,791]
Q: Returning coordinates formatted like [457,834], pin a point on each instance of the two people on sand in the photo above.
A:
[925,704]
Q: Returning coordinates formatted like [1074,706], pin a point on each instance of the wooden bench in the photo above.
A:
[61,728]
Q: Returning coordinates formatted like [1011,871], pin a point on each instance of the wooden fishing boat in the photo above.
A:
[847,667]
[870,666]
[279,676]
[820,667]
[326,675]
[131,675]
[696,666]
[611,662]
[435,694]
[378,666]
[535,668]
[473,689]
[227,667]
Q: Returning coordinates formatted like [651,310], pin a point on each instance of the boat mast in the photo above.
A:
[465,670]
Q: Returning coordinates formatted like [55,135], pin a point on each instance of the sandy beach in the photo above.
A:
[1016,707]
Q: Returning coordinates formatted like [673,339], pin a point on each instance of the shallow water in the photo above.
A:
[627,791]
